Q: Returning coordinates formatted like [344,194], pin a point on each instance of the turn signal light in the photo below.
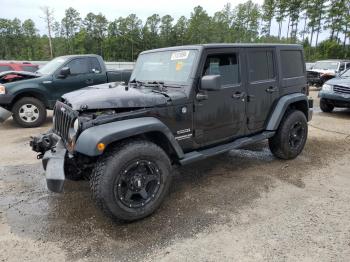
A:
[101,147]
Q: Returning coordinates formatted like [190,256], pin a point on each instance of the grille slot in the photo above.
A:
[312,74]
[341,89]
[64,119]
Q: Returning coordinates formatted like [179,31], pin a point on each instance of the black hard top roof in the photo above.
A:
[225,45]
[334,60]
[80,55]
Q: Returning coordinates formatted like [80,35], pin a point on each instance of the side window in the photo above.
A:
[225,65]
[292,63]
[261,65]
[5,68]
[347,65]
[29,68]
[79,66]
[95,66]
[341,67]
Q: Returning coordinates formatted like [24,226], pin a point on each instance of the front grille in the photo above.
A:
[311,74]
[64,117]
[341,89]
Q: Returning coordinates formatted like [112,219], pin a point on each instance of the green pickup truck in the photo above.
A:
[27,95]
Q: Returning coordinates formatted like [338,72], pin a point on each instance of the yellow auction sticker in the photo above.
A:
[179,65]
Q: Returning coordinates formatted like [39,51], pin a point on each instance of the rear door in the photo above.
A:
[262,87]
[221,114]
[95,75]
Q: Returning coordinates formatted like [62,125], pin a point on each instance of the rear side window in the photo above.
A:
[292,63]
[29,68]
[79,66]
[225,65]
[5,68]
[261,65]
[95,66]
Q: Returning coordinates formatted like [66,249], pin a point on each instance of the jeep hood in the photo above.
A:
[339,82]
[109,96]
[323,71]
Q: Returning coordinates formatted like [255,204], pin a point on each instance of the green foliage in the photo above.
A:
[125,37]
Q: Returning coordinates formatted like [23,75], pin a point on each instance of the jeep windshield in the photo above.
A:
[326,65]
[346,74]
[52,66]
[171,68]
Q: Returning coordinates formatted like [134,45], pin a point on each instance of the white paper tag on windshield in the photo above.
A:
[180,55]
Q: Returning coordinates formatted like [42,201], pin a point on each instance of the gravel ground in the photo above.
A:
[241,206]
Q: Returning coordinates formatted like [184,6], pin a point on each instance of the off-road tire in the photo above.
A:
[29,101]
[280,143]
[325,106]
[108,171]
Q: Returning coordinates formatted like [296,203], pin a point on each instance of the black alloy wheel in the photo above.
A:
[138,183]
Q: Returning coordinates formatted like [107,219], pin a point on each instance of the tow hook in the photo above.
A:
[43,143]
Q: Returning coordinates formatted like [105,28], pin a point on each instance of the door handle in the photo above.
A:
[271,89]
[201,96]
[238,95]
[89,81]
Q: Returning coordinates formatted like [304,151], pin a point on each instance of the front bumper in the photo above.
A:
[5,101]
[4,114]
[337,99]
[53,152]
[53,163]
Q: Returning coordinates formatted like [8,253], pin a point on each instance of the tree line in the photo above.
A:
[298,21]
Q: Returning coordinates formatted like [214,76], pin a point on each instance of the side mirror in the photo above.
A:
[211,82]
[65,71]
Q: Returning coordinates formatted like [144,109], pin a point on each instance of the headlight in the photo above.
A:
[2,90]
[327,88]
[74,130]
[76,125]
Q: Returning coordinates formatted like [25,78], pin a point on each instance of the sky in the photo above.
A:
[25,9]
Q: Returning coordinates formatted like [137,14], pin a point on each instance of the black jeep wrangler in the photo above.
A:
[182,104]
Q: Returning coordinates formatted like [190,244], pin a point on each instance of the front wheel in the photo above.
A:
[325,106]
[291,135]
[131,180]
[29,112]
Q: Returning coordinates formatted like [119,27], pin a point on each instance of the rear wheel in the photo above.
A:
[131,180]
[326,106]
[291,135]
[29,112]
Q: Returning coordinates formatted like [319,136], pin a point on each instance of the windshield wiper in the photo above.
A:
[160,85]
[136,83]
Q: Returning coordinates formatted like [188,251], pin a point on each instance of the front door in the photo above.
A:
[219,115]
[82,74]
[262,86]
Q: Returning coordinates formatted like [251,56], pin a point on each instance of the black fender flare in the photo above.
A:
[281,107]
[111,132]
